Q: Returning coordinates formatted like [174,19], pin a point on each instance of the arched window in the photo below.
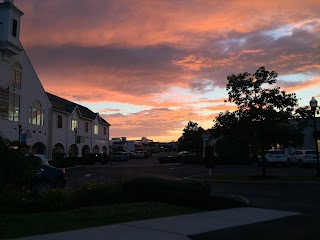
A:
[36,114]
[95,149]
[15,78]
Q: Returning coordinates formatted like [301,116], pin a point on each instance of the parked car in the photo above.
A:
[132,155]
[184,153]
[48,177]
[120,156]
[139,154]
[274,157]
[301,158]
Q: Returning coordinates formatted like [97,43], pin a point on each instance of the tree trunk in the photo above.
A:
[263,163]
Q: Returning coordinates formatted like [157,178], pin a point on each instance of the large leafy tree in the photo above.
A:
[191,139]
[263,112]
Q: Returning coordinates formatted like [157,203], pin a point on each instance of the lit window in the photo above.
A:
[96,129]
[74,124]
[36,114]
[59,121]
[15,79]
[14,107]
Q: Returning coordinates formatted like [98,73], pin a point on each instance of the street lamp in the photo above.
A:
[75,142]
[20,130]
[314,105]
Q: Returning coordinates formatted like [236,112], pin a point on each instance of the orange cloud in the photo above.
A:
[303,85]
[137,51]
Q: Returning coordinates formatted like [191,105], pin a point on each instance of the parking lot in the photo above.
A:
[150,167]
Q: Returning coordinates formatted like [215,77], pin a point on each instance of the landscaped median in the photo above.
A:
[254,178]
[98,204]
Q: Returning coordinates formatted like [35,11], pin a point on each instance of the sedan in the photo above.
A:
[274,157]
[48,177]
[303,158]
[120,156]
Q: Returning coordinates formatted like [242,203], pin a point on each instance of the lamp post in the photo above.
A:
[314,105]
[75,142]
[20,130]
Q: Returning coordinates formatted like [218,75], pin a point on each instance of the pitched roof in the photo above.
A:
[64,105]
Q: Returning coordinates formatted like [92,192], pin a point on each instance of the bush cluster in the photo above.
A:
[72,161]
[143,189]
[15,167]
[163,190]
[64,162]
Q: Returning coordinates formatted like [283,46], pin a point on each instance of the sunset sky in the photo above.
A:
[150,66]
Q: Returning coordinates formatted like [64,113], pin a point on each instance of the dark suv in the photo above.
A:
[48,177]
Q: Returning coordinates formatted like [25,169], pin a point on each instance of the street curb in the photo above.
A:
[247,181]
[132,165]
[237,198]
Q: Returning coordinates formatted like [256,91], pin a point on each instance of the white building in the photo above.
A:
[41,122]
[309,142]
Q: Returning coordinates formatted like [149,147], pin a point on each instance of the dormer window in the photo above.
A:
[14,27]
[74,125]
[96,129]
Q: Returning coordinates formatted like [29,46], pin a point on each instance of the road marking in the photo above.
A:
[88,175]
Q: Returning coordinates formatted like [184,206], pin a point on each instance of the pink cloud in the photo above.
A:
[136,51]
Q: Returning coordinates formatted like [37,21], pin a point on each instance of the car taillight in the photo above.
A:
[63,171]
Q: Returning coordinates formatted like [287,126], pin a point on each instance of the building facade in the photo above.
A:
[31,118]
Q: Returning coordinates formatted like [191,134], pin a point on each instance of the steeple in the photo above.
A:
[9,29]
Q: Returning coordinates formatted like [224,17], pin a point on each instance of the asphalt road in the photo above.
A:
[297,197]
[150,167]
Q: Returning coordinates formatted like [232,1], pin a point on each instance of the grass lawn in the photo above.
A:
[16,225]
[259,178]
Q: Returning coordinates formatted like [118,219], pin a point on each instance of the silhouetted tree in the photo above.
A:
[263,112]
[191,139]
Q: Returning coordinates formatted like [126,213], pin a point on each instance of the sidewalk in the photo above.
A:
[172,228]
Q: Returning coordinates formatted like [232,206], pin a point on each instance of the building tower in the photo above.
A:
[9,30]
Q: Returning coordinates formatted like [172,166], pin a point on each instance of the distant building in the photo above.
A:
[308,139]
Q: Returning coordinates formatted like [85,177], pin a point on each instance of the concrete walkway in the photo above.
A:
[172,228]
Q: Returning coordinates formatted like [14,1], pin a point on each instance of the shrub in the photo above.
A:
[55,200]
[164,190]
[64,162]
[97,194]
[58,156]
[15,167]
[143,189]
[89,159]
[13,199]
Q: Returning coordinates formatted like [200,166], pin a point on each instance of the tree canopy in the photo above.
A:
[263,111]
[191,139]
